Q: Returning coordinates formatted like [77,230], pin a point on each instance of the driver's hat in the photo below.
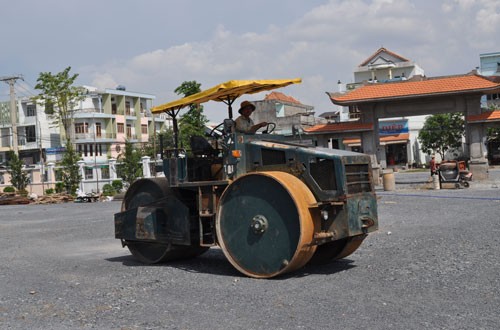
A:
[245,104]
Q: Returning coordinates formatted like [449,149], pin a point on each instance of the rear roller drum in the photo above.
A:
[264,225]
[336,250]
[143,192]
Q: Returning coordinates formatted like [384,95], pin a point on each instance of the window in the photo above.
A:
[105,172]
[58,173]
[127,108]
[89,173]
[120,128]
[354,112]
[113,108]
[31,110]
[98,130]
[91,149]
[129,130]
[81,128]
[144,129]
[30,134]
[79,148]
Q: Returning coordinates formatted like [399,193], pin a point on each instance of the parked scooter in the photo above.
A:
[454,171]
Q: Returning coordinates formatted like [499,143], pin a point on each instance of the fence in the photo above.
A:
[94,176]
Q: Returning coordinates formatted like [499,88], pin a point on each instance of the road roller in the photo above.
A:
[271,203]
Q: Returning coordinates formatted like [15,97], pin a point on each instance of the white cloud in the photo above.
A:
[323,46]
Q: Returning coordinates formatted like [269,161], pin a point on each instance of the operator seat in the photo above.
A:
[201,147]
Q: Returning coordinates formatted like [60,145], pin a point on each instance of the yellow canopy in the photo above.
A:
[226,92]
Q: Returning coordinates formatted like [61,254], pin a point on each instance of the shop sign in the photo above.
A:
[393,127]
[54,151]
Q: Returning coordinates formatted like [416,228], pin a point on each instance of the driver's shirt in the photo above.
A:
[243,124]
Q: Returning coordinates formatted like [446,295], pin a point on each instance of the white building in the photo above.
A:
[490,67]
[102,122]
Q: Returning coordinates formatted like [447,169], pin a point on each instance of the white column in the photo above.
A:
[50,172]
[146,171]
[81,165]
[112,168]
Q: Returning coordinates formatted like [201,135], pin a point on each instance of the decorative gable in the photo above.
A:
[383,56]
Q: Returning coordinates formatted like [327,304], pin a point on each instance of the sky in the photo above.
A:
[152,46]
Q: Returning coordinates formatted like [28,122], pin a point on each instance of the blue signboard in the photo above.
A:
[54,151]
[393,127]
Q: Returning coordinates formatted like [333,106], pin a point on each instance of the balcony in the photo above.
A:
[131,137]
[98,137]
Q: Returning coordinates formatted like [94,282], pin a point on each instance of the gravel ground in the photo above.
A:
[433,264]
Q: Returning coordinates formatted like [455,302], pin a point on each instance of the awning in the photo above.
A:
[384,140]
[226,92]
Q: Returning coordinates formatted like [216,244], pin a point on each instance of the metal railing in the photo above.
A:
[90,136]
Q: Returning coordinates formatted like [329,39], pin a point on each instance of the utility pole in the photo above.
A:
[11,80]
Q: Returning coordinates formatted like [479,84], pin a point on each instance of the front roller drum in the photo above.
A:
[264,225]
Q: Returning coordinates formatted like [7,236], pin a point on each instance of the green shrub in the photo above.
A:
[49,191]
[9,189]
[108,190]
[117,185]
[59,187]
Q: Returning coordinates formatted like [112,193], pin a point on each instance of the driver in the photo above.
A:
[244,124]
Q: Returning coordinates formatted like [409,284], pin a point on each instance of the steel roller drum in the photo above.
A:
[143,192]
[264,225]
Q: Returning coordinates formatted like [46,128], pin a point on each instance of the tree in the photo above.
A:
[441,133]
[59,96]
[193,121]
[131,167]
[70,172]
[18,178]
[493,133]
[152,148]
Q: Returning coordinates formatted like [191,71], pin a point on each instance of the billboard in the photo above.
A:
[393,127]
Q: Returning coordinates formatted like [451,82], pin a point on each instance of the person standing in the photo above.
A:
[433,166]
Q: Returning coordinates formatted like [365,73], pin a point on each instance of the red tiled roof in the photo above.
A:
[409,89]
[281,97]
[387,138]
[485,116]
[383,50]
[340,127]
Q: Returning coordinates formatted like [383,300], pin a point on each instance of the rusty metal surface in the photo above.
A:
[145,223]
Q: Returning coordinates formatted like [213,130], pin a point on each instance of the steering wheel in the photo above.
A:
[219,129]
[269,128]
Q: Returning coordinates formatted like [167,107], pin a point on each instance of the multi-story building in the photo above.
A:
[490,67]
[286,112]
[36,132]
[386,66]
[102,122]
